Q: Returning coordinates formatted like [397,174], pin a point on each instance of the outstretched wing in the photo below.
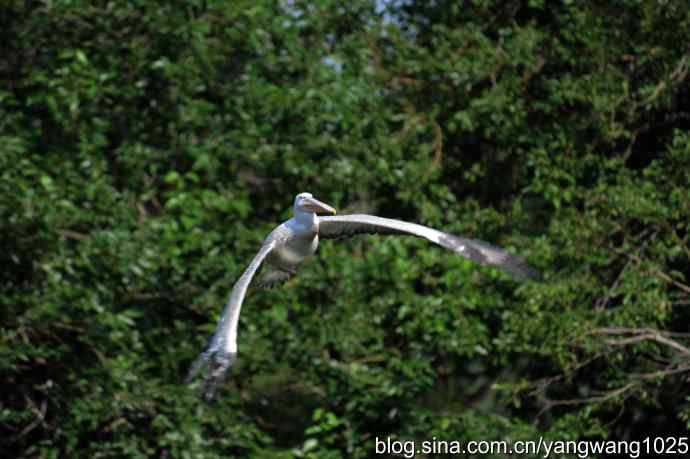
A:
[221,351]
[478,251]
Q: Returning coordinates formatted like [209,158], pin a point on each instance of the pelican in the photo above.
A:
[294,240]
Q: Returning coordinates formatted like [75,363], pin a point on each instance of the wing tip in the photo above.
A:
[524,272]
[489,255]
[515,266]
[218,362]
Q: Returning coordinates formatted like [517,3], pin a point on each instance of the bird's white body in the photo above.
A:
[297,239]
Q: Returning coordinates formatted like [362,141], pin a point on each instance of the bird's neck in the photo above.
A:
[306,220]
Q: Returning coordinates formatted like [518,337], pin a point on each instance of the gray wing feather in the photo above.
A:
[228,320]
[478,251]
[221,351]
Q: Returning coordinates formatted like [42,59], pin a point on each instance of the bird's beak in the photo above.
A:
[319,207]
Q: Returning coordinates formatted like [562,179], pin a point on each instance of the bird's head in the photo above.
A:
[305,202]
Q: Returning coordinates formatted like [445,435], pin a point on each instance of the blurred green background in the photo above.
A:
[147,148]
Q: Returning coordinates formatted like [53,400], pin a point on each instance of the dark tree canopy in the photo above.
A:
[147,148]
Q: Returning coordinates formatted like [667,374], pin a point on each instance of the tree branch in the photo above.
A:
[581,401]
[642,334]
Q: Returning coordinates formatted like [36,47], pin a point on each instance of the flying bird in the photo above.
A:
[294,240]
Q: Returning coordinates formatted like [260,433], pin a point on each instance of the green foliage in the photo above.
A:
[146,148]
